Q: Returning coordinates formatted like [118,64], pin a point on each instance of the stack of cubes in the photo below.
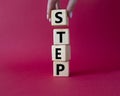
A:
[61,43]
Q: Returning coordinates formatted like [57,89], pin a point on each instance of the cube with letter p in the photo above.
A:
[61,68]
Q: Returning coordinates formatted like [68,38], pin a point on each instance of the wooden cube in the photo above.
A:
[61,36]
[61,52]
[59,17]
[61,69]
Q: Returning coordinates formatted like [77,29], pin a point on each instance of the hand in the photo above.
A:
[55,4]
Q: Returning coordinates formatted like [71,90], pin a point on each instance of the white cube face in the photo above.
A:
[61,36]
[61,52]
[61,69]
[59,17]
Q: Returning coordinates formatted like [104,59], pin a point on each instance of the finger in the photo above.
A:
[50,6]
[70,7]
[58,4]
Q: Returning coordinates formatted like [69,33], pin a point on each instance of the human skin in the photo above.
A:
[55,4]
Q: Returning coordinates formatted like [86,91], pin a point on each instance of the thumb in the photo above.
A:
[70,7]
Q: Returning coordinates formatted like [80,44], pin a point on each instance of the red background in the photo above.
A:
[25,49]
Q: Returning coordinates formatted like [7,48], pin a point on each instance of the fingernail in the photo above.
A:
[49,20]
[70,14]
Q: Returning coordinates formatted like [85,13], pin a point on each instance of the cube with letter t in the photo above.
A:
[59,17]
[61,36]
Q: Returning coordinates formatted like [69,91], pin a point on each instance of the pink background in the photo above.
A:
[25,49]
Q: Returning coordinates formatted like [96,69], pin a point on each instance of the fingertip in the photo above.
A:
[70,14]
[47,17]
